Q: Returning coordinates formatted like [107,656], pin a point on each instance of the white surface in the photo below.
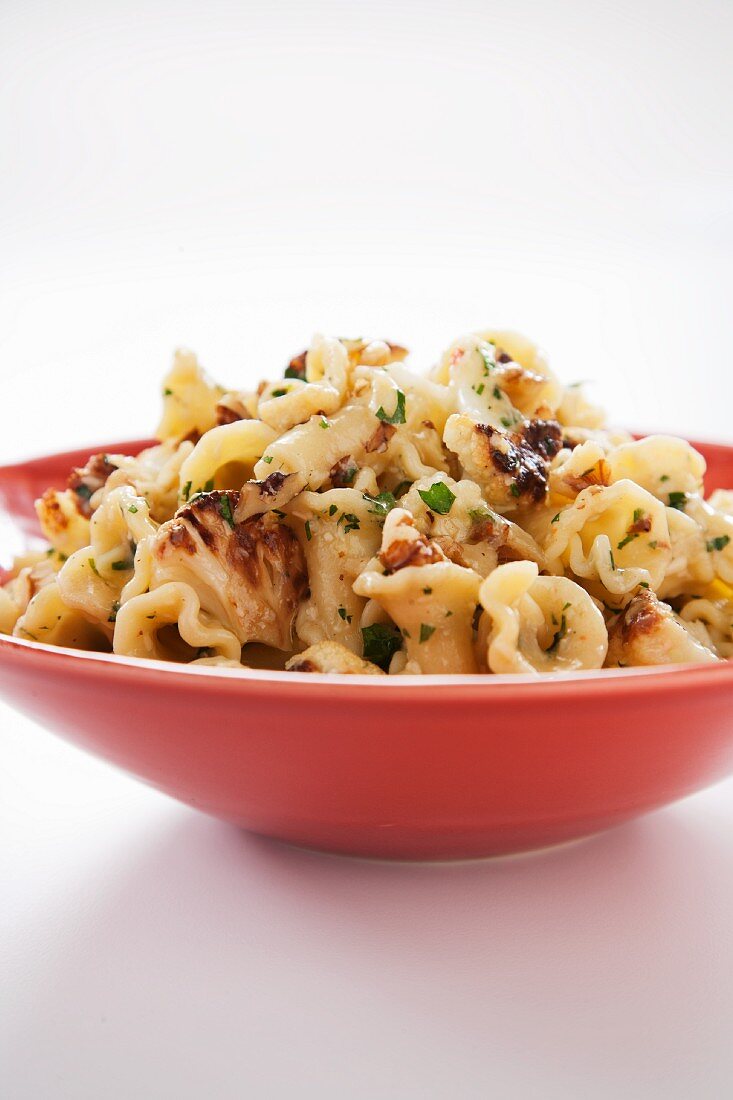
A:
[232,176]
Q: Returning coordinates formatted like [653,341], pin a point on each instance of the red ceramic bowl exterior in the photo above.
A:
[415,768]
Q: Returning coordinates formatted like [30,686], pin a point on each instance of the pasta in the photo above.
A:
[353,516]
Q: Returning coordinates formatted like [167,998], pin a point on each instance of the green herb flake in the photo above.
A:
[718,543]
[480,388]
[352,522]
[324,423]
[497,393]
[559,634]
[167,392]
[83,491]
[426,632]
[278,393]
[643,584]
[555,518]
[488,358]
[186,491]
[379,644]
[225,510]
[427,591]
[664,477]
[653,544]
[398,416]
[678,501]
[209,486]
[383,503]
[515,490]
[267,459]
[332,510]
[438,498]
[629,538]
[121,566]
[93,564]
[308,534]
[613,562]
[402,488]
[113,613]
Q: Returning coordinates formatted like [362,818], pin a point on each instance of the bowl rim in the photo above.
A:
[605,681]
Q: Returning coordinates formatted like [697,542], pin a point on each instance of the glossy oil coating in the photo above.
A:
[411,768]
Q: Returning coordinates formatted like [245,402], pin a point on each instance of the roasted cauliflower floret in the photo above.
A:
[511,467]
[251,576]
[649,633]
[331,657]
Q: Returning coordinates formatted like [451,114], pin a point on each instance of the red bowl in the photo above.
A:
[410,767]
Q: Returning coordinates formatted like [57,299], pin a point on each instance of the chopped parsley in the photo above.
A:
[678,501]
[344,616]
[186,491]
[351,521]
[559,634]
[488,358]
[267,459]
[613,562]
[209,486]
[332,510]
[379,643]
[113,612]
[664,477]
[653,544]
[497,393]
[426,632]
[438,498]
[398,416]
[167,392]
[643,584]
[308,534]
[324,423]
[133,508]
[402,488]
[506,421]
[293,372]
[718,543]
[94,566]
[479,515]
[278,393]
[120,566]
[515,490]
[83,491]
[383,503]
[555,518]
[479,389]
[225,510]
[629,538]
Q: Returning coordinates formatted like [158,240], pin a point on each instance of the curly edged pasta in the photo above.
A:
[350,515]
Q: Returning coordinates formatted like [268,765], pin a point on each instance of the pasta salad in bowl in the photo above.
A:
[436,613]
[356,517]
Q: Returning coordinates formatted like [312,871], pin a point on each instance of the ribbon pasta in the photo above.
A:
[352,516]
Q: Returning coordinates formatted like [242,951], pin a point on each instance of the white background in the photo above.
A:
[232,177]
